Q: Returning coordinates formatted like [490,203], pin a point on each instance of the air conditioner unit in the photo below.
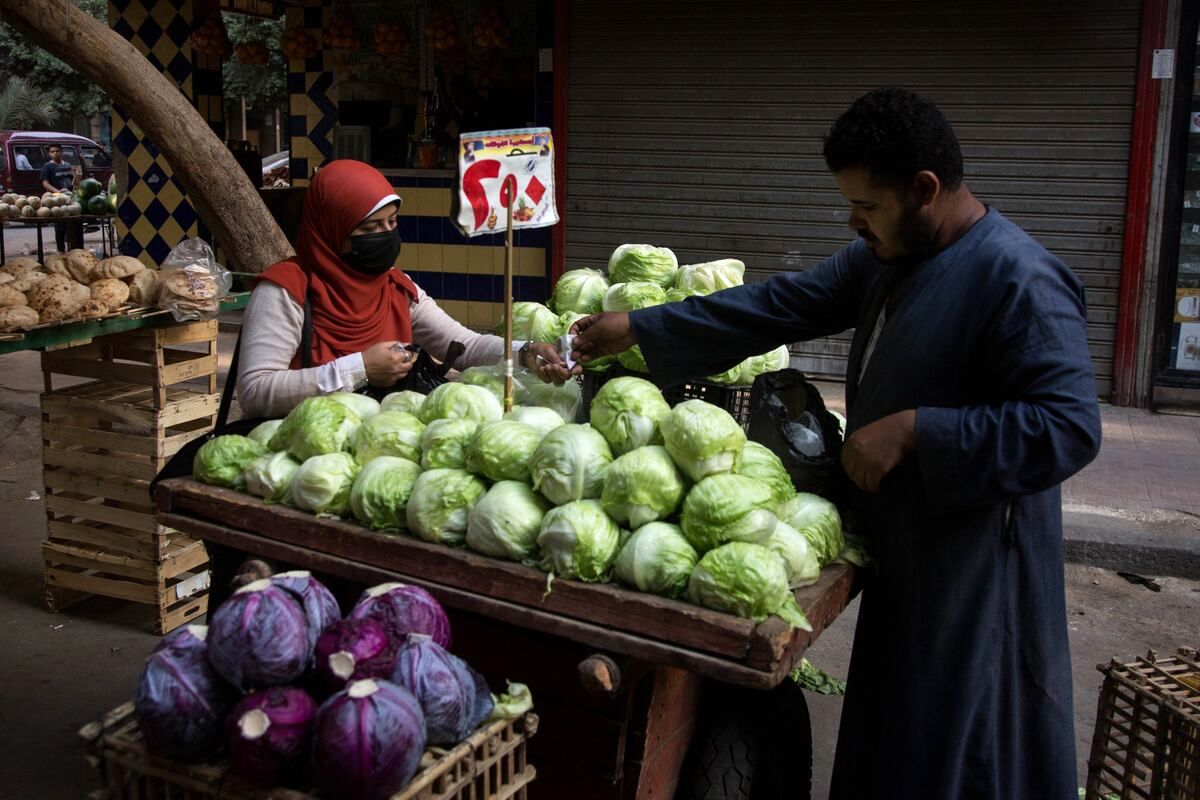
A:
[352,141]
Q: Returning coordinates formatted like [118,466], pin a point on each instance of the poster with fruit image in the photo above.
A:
[493,164]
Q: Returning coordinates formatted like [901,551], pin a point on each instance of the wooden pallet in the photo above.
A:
[1147,739]
[150,393]
[490,764]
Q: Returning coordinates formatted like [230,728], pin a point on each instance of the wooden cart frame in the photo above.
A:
[636,733]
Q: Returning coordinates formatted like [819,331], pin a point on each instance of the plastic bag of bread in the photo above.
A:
[192,282]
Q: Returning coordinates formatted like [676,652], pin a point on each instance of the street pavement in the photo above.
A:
[61,671]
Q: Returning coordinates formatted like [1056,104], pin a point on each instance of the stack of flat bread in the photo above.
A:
[71,285]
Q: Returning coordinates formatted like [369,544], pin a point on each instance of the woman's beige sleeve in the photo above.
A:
[267,386]
[434,330]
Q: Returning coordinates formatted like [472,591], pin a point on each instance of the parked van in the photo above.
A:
[22,154]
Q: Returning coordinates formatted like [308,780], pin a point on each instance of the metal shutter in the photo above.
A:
[1041,95]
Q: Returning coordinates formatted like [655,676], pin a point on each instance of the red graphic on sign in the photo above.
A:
[472,184]
[536,189]
[508,190]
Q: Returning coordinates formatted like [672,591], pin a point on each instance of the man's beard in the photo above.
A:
[916,236]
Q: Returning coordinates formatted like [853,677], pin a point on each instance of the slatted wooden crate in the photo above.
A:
[149,392]
[490,764]
[1147,740]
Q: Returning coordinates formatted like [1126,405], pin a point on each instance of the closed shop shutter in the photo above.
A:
[698,126]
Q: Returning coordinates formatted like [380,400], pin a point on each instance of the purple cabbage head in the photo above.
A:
[259,637]
[181,700]
[454,698]
[354,649]
[270,733]
[319,604]
[405,609]
[368,741]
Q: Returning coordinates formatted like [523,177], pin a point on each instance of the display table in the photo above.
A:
[103,221]
[68,334]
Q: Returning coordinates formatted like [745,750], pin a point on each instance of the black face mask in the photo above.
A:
[373,253]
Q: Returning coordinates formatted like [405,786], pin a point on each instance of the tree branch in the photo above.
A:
[224,197]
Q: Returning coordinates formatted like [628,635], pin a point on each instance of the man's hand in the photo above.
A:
[874,450]
[602,335]
[384,365]
[545,362]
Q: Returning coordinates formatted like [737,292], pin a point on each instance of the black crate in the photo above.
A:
[734,399]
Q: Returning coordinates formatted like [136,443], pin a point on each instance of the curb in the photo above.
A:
[1150,548]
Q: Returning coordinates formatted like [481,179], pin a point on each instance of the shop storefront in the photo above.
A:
[699,127]
[1177,356]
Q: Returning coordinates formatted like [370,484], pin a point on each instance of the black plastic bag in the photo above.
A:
[788,416]
[426,374]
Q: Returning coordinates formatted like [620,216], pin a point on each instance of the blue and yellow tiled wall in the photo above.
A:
[312,96]
[465,276]
[154,214]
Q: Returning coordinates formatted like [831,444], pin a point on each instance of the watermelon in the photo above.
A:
[89,188]
[97,205]
[112,202]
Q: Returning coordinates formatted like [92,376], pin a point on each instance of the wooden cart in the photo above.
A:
[617,675]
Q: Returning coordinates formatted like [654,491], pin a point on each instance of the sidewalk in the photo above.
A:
[1136,508]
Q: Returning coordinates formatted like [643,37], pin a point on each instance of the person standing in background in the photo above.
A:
[59,176]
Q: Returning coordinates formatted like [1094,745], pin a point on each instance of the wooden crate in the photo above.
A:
[1147,740]
[149,357]
[177,586]
[103,441]
[490,764]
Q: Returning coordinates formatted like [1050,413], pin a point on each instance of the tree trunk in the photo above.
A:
[224,198]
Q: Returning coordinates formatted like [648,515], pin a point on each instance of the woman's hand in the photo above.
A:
[544,361]
[385,365]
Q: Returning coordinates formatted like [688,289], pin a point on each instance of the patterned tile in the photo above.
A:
[154,213]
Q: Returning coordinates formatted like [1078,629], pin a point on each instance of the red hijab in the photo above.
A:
[350,311]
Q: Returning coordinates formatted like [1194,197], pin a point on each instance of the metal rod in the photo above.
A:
[508,303]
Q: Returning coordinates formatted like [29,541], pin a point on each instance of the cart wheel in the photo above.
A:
[723,756]
[750,745]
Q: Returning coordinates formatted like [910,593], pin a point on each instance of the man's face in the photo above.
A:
[895,226]
[56,154]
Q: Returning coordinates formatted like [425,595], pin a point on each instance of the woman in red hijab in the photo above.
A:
[360,306]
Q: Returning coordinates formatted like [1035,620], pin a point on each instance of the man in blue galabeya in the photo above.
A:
[970,399]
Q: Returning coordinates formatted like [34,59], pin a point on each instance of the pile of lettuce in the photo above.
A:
[668,500]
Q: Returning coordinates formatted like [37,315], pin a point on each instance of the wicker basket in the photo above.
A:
[489,765]
[1147,740]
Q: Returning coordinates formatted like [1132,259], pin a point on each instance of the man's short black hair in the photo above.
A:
[895,134]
